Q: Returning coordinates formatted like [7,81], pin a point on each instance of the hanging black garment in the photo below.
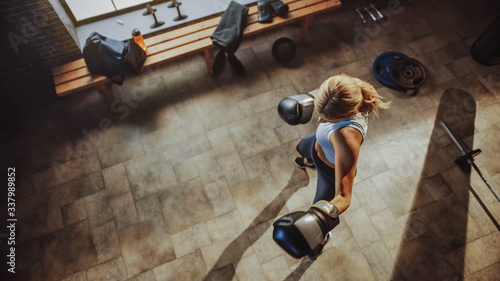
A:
[229,33]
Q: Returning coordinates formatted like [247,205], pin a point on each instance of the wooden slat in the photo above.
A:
[70,76]
[171,54]
[80,84]
[68,67]
[165,46]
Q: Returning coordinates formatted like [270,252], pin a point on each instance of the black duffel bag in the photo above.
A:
[112,58]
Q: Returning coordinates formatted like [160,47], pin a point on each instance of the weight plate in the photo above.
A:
[382,68]
[408,74]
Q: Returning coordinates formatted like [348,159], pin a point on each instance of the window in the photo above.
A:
[85,11]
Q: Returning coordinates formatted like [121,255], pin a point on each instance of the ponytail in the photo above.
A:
[341,96]
[371,101]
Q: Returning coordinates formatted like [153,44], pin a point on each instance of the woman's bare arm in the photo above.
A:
[347,143]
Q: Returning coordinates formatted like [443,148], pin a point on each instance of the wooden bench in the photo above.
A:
[195,38]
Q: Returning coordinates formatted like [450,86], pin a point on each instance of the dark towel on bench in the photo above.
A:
[229,33]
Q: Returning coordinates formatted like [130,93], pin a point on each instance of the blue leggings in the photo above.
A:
[325,187]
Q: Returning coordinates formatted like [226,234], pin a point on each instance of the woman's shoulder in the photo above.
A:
[347,135]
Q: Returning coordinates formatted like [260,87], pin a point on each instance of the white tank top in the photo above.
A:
[324,131]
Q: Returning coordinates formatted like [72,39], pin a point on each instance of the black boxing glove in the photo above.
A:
[297,109]
[300,232]
[297,233]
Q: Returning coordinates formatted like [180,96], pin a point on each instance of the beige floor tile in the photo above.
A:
[489,273]
[174,134]
[427,261]
[220,141]
[488,246]
[436,186]
[208,167]
[480,216]
[400,190]
[154,180]
[257,200]
[115,180]
[185,205]
[413,225]
[124,211]
[223,253]
[218,108]
[224,273]
[362,227]
[264,100]
[468,259]
[118,145]
[219,196]
[369,196]
[99,210]
[68,251]
[380,260]
[61,173]
[306,270]
[344,256]
[449,223]
[299,196]
[387,226]
[251,137]
[80,276]
[256,166]
[458,181]
[248,268]
[113,269]
[285,173]
[145,246]
[225,227]
[74,212]
[83,186]
[276,269]
[190,267]
[43,213]
[232,167]
[190,240]
[106,244]
[145,276]
[149,208]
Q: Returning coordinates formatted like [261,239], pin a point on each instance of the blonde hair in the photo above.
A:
[341,96]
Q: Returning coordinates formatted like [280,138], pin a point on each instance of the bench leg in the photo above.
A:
[208,53]
[104,89]
[306,23]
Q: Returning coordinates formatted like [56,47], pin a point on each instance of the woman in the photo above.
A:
[343,104]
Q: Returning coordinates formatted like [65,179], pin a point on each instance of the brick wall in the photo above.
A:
[32,40]
[36,23]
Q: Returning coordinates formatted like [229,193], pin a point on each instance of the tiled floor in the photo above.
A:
[183,177]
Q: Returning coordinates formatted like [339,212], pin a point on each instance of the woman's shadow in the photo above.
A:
[219,271]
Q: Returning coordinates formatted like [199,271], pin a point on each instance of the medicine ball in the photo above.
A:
[284,50]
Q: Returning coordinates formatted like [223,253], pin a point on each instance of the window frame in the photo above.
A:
[107,15]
